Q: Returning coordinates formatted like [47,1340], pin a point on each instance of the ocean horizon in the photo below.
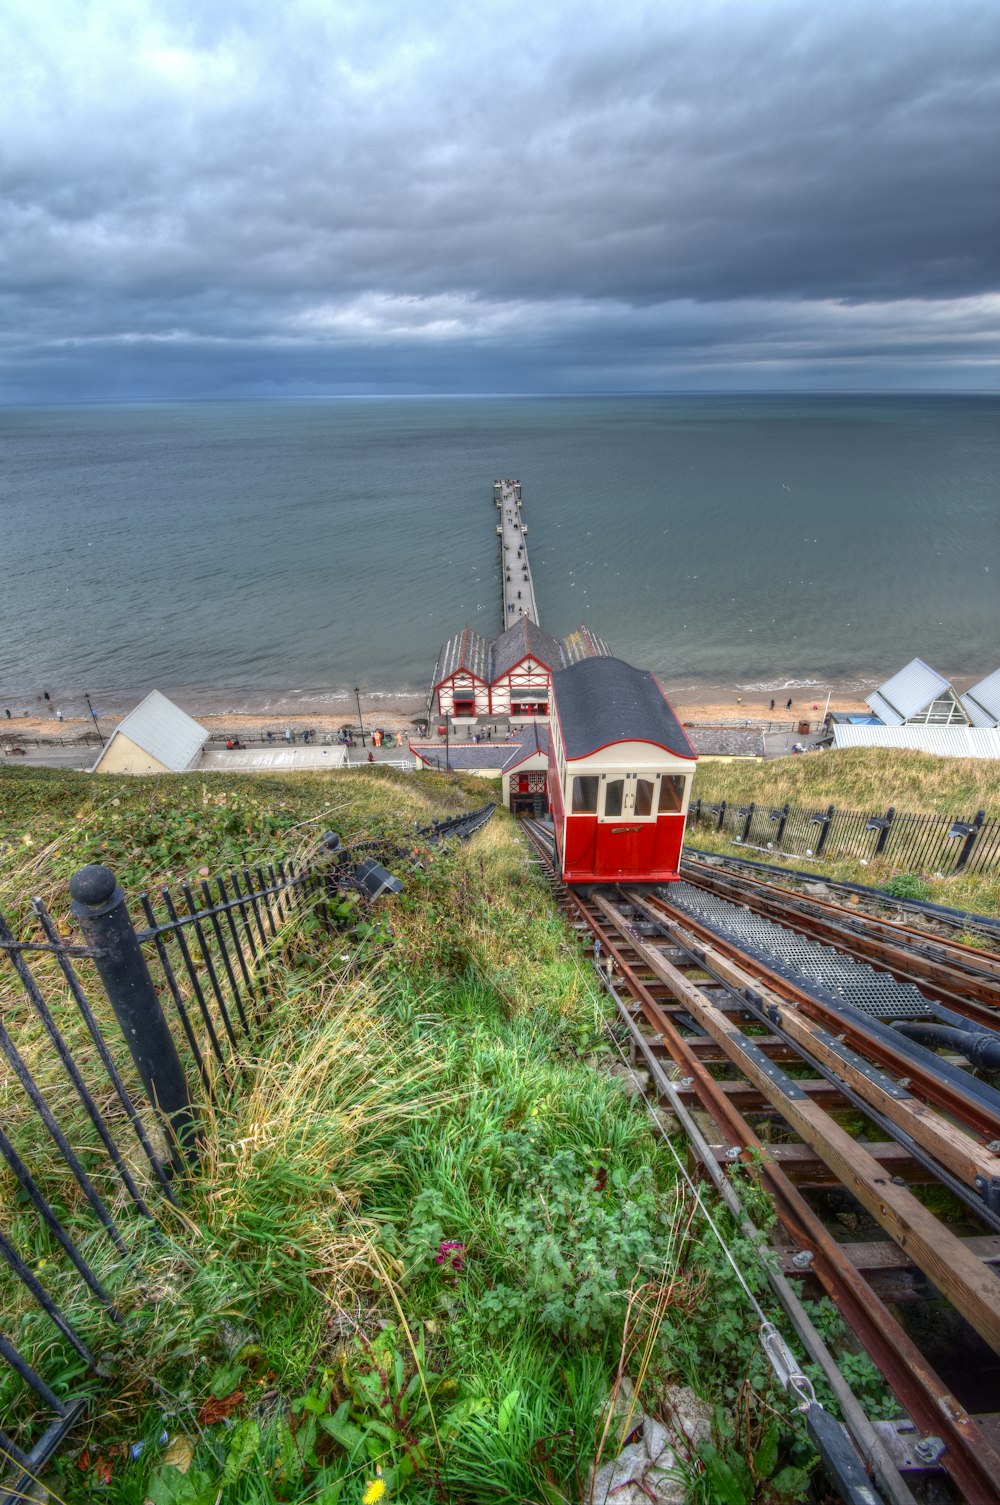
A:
[295,547]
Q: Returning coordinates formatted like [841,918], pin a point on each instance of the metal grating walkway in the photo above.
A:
[802,961]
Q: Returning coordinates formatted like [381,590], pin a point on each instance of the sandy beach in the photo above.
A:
[397,710]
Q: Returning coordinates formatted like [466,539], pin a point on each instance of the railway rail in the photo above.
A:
[933,916]
[777,1016]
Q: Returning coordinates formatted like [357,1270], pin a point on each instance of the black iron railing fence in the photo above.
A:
[109,1052]
[920,843]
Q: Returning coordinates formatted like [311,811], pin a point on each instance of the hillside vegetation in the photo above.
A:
[866,779]
[430,1231]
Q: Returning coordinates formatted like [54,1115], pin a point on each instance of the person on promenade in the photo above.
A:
[288,736]
[371,757]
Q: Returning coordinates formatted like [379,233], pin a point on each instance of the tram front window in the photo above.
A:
[585,796]
[614,795]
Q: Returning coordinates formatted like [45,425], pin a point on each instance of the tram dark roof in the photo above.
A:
[602,700]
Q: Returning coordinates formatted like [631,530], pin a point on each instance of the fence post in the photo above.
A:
[882,824]
[970,831]
[824,821]
[99,905]
[748,811]
[722,815]
[781,816]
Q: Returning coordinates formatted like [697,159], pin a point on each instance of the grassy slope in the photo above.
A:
[426,1085]
[866,779]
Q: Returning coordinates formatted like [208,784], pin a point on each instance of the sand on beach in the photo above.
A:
[397,711]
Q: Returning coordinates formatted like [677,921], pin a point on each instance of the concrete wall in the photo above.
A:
[122,755]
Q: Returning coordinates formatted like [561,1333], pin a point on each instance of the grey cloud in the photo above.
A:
[437,193]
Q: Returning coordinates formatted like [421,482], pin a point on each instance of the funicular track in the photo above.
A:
[772,1022]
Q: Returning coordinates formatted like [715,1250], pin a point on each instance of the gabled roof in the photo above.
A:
[468,651]
[535,739]
[472,757]
[581,643]
[602,700]
[164,731]
[943,741]
[524,638]
[906,693]
[982,702]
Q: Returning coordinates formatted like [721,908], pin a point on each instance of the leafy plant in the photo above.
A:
[908,886]
[389,1417]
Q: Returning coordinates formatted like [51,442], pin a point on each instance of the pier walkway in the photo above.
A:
[517,590]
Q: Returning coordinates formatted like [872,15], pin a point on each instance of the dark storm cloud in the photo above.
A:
[733,193]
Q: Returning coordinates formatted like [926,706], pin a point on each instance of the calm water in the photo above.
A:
[256,548]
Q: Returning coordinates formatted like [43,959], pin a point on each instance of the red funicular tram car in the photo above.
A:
[620,775]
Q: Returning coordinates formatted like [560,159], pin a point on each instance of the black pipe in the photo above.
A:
[978,1050]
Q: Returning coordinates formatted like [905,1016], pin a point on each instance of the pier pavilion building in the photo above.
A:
[509,676]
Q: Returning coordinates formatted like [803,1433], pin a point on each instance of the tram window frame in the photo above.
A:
[627,810]
[678,783]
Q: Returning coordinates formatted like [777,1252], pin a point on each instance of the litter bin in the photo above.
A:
[442,730]
[803,728]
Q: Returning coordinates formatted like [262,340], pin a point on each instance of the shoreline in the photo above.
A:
[396,709]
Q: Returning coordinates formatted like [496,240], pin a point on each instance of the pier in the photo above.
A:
[517,590]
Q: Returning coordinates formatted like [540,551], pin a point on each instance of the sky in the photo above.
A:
[243,199]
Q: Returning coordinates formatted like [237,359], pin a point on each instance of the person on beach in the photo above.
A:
[788,704]
[771,706]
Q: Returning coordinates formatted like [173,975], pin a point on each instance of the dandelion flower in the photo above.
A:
[374,1492]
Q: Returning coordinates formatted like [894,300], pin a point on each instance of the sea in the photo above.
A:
[252,554]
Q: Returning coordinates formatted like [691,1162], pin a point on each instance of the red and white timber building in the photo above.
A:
[507,677]
[462,678]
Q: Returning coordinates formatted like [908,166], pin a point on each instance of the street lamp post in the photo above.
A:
[357,696]
[94,714]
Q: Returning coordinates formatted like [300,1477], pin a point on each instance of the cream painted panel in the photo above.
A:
[122,755]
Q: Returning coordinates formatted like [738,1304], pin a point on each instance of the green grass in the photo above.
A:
[866,779]
[426,1234]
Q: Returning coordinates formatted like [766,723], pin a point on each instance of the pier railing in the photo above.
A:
[114,1042]
[921,843]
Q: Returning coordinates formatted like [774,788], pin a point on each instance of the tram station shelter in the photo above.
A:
[521,765]
[526,775]
[157,737]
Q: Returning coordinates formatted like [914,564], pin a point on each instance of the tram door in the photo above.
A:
[626,826]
